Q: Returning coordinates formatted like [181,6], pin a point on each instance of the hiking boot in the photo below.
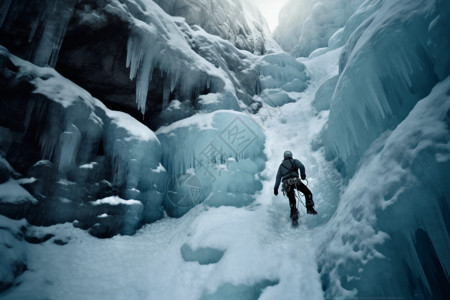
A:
[311,211]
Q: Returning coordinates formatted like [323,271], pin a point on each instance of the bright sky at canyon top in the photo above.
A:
[270,10]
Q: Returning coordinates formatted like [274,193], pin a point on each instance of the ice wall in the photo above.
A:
[213,158]
[135,154]
[279,74]
[362,15]
[388,132]
[290,23]
[323,96]
[390,62]
[237,21]
[306,25]
[390,234]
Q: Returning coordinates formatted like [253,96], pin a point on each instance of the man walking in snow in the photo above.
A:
[288,173]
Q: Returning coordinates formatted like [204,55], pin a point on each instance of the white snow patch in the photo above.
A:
[133,127]
[200,120]
[12,193]
[89,165]
[66,182]
[43,162]
[115,200]
[159,169]
[26,180]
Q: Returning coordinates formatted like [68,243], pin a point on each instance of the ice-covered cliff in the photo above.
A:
[306,25]
[388,134]
[143,57]
[68,150]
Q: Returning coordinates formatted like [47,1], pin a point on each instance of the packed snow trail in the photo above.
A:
[295,127]
[210,253]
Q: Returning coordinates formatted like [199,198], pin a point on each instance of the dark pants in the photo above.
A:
[304,190]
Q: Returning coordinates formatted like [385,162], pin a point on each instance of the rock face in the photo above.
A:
[132,55]
[237,21]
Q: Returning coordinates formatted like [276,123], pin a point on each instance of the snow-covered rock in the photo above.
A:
[71,147]
[131,54]
[13,194]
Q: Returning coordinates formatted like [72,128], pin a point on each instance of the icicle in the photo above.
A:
[133,59]
[174,80]
[56,20]
[166,95]
[69,142]
[4,9]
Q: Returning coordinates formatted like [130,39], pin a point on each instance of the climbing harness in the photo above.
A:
[287,186]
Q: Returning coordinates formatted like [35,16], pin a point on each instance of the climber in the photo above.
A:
[288,173]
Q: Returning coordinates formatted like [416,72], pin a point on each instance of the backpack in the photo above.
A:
[293,169]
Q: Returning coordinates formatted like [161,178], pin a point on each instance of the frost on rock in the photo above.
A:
[76,151]
[393,216]
[213,158]
[308,25]
[388,64]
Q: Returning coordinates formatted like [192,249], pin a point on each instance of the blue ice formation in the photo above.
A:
[213,158]
[388,134]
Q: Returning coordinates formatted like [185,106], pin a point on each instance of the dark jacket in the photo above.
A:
[289,169]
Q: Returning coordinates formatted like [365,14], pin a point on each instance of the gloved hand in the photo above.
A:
[303,177]
[275,191]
